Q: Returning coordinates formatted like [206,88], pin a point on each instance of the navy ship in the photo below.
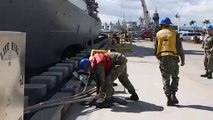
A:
[53,27]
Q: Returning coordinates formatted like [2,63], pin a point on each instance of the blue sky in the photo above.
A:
[198,10]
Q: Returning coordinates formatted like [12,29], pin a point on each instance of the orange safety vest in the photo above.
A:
[98,58]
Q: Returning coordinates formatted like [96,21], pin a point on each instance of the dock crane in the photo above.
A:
[146,13]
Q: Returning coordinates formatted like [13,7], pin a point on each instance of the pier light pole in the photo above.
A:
[178,18]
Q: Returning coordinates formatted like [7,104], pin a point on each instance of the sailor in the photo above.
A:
[168,49]
[107,67]
[208,52]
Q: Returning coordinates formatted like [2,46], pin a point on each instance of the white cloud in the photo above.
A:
[108,18]
[197,10]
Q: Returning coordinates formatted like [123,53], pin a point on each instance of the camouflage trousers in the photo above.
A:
[169,70]
[208,61]
[118,70]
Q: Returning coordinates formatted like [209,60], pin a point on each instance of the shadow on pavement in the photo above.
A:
[194,52]
[133,107]
[200,107]
[137,107]
[140,51]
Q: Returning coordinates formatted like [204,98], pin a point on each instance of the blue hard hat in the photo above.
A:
[165,21]
[209,27]
[84,64]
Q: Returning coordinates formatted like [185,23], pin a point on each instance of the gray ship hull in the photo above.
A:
[50,25]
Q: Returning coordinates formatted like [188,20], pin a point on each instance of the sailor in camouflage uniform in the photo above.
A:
[106,68]
[168,49]
[208,52]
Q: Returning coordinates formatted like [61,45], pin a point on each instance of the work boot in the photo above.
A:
[107,103]
[204,75]
[134,97]
[174,98]
[169,101]
[209,75]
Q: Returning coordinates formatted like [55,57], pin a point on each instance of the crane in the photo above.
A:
[146,13]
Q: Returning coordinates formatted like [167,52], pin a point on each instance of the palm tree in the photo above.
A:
[206,22]
[192,22]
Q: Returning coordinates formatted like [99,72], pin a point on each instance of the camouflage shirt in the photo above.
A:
[208,42]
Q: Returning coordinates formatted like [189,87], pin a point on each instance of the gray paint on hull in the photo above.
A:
[51,26]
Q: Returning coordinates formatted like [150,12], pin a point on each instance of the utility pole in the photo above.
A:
[124,21]
[178,17]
